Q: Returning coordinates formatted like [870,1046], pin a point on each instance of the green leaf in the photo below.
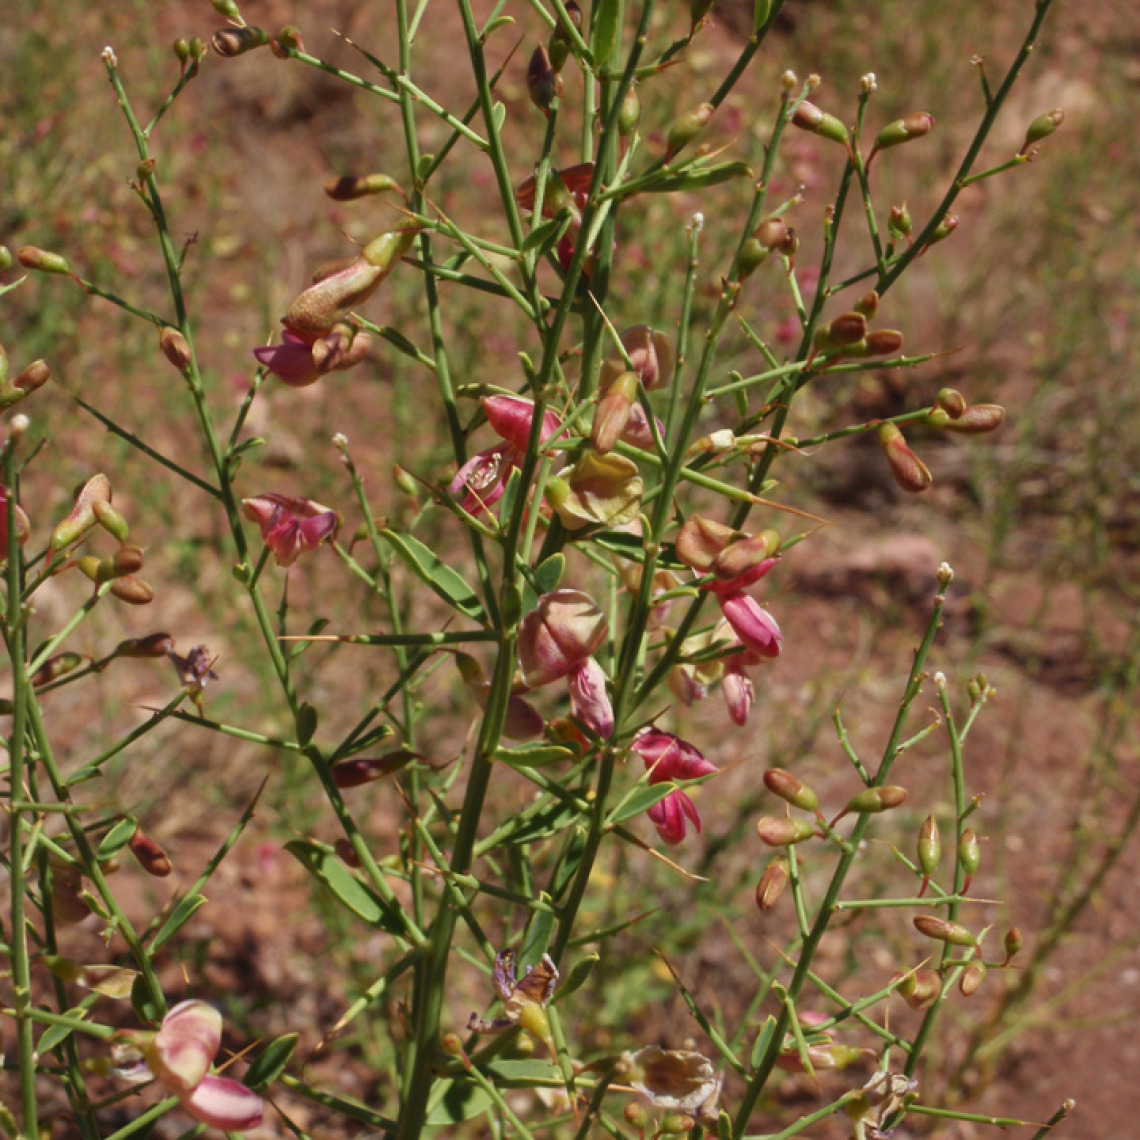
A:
[577,977]
[56,1035]
[639,800]
[400,342]
[434,574]
[179,917]
[546,236]
[307,720]
[761,10]
[535,755]
[524,1074]
[607,28]
[271,1062]
[145,1007]
[117,838]
[460,1102]
[548,574]
[763,1040]
[499,114]
[697,178]
[328,870]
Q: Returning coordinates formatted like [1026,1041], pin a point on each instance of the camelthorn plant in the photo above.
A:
[615,500]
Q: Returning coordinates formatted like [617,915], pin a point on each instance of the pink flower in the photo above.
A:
[668,757]
[290,526]
[738,691]
[300,361]
[180,1055]
[589,699]
[754,625]
[483,478]
[558,635]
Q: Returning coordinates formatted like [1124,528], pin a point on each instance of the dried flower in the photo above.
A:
[672,1078]
[524,999]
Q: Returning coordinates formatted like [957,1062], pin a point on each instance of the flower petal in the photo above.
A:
[223,1103]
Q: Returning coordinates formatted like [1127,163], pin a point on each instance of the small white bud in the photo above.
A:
[109,57]
[868,84]
[340,440]
[697,221]
[940,680]
[789,81]
[945,574]
[17,425]
[813,82]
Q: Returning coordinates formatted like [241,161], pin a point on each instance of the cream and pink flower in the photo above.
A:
[290,526]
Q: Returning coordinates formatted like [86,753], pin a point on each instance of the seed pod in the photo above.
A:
[942,931]
[929,850]
[153,645]
[971,979]
[944,229]
[790,790]
[34,376]
[910,473]
[175,348]
[969,856]
[903,130]
[808,117]
[58,666]
[629,115]
[770,889]
[1041,128]
[152,858]
[82,516]
[778,831]
[32,257]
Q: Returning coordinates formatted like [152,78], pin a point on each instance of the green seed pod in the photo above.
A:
[899,223]
[111,521]
[790,790]
[629,115]
[942,931]
[778,831]
[686,127]
[969,855]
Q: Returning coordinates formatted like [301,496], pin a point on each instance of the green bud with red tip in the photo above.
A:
[82,516]
[969,855]
[1041,128]
[929,850]
[43,260]
[686,127]
[791,790]
[1012,943]
[899,224]
[903,130]
[677,1124]
[112,521]
[944,229]
[872,801]
[779,831]
[808,117]
[940,930]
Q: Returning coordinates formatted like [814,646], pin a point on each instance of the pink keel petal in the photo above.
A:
[670,814]
[753,624]
[291,361]
[182,1049]
[589,699]
[738,695]
[221,1102]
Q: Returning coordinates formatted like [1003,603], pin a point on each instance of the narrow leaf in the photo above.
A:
[328,870]
[271,1062]
[430,570]
[179,917]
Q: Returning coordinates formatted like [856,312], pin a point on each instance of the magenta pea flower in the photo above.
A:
[483,478]
[668,757]
[557,639]
[754,625]
[299,361]
[290,526]
[180,1055]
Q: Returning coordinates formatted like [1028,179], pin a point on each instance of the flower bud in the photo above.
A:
[944,229]
[676,1124]
[58,666]
[563,631]
[920,989]
[350,187]
[134,591]
[969,856]
[871,801]
[82,516]
[899,224]
[795,792]
[560,43]
[779,831]
[942,931]
[951,401]
[287,40]
[629,115]
[903,130]
[772,884]
[751,256]
[701,540]
[846,329]
[929,850]
[1012,942]
[230,42]
[34,376]
[543,82]
[356,771]
[181,49]
[650,358]
[152,858]
[153,645]
[686,127]
[5,259]
[971,979]
[868,304]
[32,257]
[612,413]
[808,117]
[910,473]
[978,419]
[227,8]
[636,1115]
[112,522]
[1041,128]
[175,348]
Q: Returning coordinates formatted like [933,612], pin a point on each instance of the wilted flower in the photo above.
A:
[672,1078]
[524,999]
[562,632]
[483,478]
[598,490]
[290,526]
[180,1056]
[668,757]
